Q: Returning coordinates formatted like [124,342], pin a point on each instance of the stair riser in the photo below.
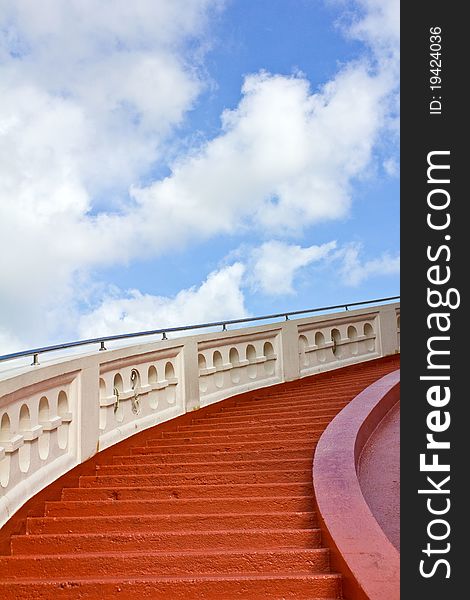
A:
[274,417]
[214,457]
[162,564]
[254,430]
[279,411]
[155,469]
[262,437]
[194,506]
[274,588]
[209,424]
[316,401]
[279,444]
[341,387]
[157,542]
[194,491]
[233,477]
[121,524]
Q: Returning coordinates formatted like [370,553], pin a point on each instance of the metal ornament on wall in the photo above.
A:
[135,402]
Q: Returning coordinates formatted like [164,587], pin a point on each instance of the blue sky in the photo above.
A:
[189,160]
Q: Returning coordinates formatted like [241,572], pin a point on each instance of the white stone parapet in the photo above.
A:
[57,415]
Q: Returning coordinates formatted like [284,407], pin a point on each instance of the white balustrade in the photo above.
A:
[237,363]
[57,415]
[139,393]
[337,343]
[38,438]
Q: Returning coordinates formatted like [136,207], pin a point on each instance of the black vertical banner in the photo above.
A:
[435,335]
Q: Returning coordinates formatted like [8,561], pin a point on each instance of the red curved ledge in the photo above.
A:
[360,549]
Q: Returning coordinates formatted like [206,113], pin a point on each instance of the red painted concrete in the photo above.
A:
[379,474]
[214,504]
[360,549]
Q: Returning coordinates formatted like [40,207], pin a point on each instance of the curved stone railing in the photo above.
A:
[360,550]
[57,415]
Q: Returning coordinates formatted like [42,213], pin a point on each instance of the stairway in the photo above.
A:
[219,508]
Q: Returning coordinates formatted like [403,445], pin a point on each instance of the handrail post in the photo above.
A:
[88,408]
[191,375]
[290,351]
[388,330]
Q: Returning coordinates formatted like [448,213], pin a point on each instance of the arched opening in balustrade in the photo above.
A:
[24,452]
[63,412]
[170,376]
[202,364]
[152,378]
[5,436]
[118,383]
[319,343]
[218,362]
[45,438]
[169,371]
[369,333]
[269,365]
[303,356]
[152,375]
[251,357]
[43,410]
[352,335]
[201,361]
[336,339]
[234,358]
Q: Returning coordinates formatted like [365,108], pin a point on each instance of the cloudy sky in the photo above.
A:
[165,162]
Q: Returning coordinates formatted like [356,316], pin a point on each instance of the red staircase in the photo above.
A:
[218,508]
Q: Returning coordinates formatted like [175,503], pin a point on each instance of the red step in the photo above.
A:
[216,429]
[76,543]
[226,490]
[162,564]
[228,446]
[255,587]
[232,477]
[204,467]
[181,506]
[170,522]
[292,419]
[215,457]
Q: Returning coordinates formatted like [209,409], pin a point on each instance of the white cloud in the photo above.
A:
[285,158]
[90,94]
[391,167]
[8,342]
[275,264]
[379,26]
[219,297]
[354,270]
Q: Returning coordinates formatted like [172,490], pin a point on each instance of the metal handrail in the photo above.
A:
[102,340]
